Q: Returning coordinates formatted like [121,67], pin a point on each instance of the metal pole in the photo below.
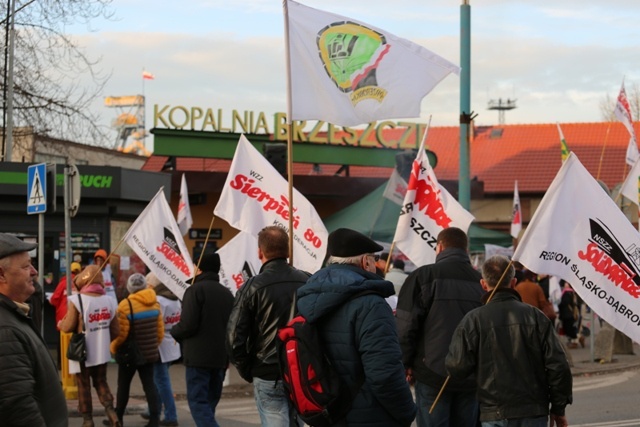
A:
[12,43]
[67,228]
[41,262]
[4,75]
[464,185]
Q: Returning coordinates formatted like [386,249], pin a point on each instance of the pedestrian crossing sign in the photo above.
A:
[36,189]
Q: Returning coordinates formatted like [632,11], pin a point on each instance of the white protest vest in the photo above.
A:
[169,348]
[98,313]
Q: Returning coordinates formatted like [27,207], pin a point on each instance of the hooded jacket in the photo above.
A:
[361,341]
[147,323]
[520,366]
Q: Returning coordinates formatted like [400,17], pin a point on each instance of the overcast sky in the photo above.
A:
[558,59]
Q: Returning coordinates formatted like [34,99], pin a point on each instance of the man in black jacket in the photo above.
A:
[206,307]
[432,301]
[262,306]
[521,369]
[30,391]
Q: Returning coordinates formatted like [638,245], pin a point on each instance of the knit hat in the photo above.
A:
[152,280]
[345,243]
[76,267]
[85,277]
[210,262]
[135,283]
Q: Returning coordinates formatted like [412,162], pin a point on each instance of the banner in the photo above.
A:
[185,221]
[427,209]
[631,185]
[516,214]
[623,113]
[564,148]
[396,188]
[580,235]
[156,238]
[255,195]
[239,261]
[346,72]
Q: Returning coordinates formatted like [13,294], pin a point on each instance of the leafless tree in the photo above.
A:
[608,104]
[54,80]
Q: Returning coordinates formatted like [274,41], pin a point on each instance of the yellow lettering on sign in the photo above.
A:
[157,116]
[245,123]
[209,120]
[184,111]
[280,131]
[380,135]
[313,135]
[364,138]
[221,129]
[196,113]
[261,124]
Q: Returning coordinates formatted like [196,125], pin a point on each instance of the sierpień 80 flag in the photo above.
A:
[579,234]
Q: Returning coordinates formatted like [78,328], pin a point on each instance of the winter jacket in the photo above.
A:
[361,340]
[432,301]
[518,360]
[147,323]
[262,306]
[206,307]
[30,391]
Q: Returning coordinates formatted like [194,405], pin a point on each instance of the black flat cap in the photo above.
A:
[10,245]
[345,242]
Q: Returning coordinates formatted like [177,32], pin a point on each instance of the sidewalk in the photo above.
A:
[581,358]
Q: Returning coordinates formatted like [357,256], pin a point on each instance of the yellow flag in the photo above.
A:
[564,149]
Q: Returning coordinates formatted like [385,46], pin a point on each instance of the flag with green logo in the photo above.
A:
[564,149]
[348,73]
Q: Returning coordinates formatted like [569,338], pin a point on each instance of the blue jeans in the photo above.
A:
[519,422]
[272,402]
[454,408]
[165,392]
[204,388]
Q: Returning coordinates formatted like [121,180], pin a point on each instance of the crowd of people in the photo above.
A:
[477,347]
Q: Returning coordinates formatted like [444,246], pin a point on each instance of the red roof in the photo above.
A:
[499,155]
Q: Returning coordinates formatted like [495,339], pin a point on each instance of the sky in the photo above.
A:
[558,59]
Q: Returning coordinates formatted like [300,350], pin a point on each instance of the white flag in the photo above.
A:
[239,261]
[348,73]
[184,211]
[580,235]
[396,188]
[156,238]
[255,195]
[427,210]
[623,113]
[516,214]
[631,185]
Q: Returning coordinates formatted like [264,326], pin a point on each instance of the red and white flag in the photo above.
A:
[255,195]
[631,185]
[348,73]
[579,234]
[516,214]
[185,221]
[239,261]
[156,238]
[623,113]
[396,188]
[147,75]
[427,209]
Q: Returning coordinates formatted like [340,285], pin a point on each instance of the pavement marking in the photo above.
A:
[600,381]
[623,423]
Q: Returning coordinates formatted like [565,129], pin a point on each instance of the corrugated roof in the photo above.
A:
[499,155]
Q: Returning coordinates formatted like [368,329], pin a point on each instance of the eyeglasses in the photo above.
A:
[375,257]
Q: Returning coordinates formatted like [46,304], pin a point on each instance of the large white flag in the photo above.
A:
[348,73]
[428,208]
[396,188]
[156,238]
[255,195]
[516,214]
[631,185]
[239,260]
[184,211]
[623,113]
[579,234]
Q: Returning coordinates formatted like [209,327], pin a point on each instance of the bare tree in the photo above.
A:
[54,80]
[608,103]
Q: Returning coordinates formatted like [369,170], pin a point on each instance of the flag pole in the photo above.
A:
[444,385]
[204,248]
[386,265]
[285,6]
[606,137]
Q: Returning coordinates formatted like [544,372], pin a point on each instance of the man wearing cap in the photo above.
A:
[206,307]
[432,301]
[358,331]
[30,391]
[100,258]
[262,306]
[59,297]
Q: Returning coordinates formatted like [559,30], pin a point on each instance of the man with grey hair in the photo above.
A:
[30,391]
[347,301]
[522,372]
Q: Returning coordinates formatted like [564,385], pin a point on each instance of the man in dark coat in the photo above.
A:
[262,306]
[206,307]
[30,391]
[522,372]
[359,331]
[432,301]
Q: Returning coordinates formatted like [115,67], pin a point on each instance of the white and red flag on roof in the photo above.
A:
[516,215]
[147,75]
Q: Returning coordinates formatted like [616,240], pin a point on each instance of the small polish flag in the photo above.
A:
[147,75]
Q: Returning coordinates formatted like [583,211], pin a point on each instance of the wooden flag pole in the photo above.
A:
[289,127]
[204,248]
[606,137]
[489,299]
[105,261]
[386,266]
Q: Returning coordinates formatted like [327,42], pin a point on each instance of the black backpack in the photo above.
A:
[317,392]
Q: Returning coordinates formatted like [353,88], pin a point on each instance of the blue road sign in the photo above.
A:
[37,189]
